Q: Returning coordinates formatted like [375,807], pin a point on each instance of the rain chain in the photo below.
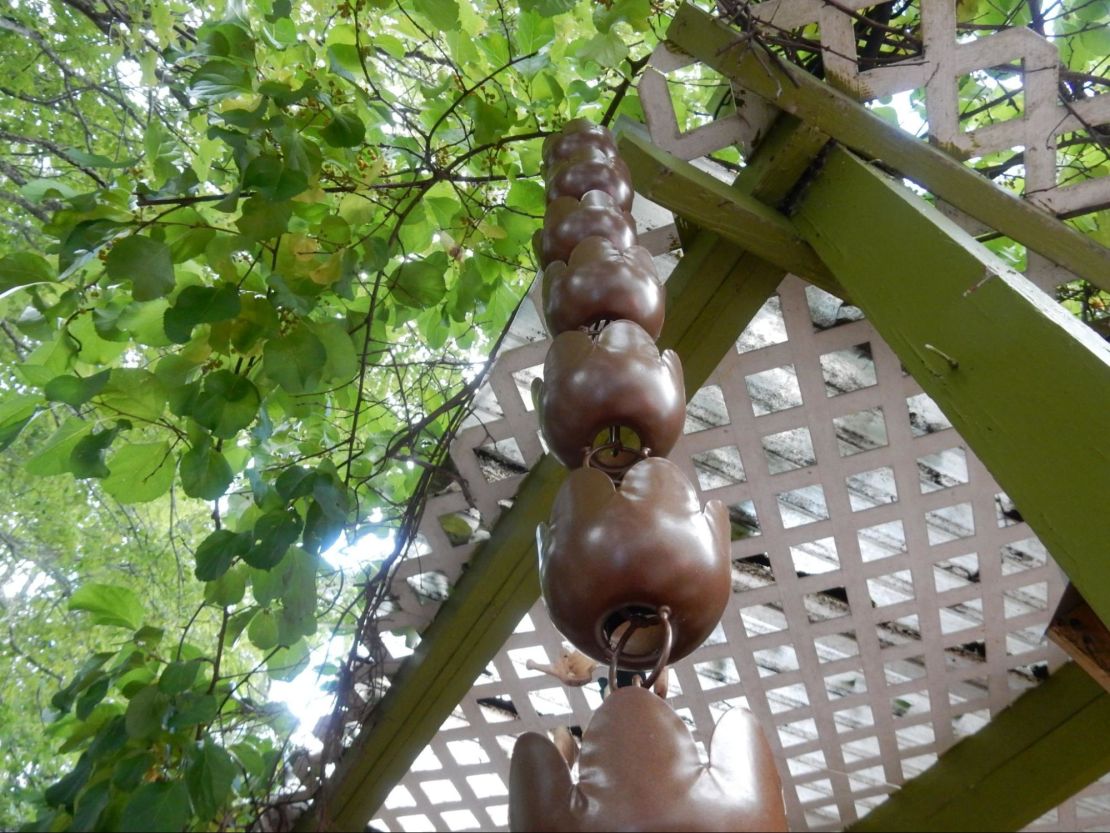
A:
[634,572]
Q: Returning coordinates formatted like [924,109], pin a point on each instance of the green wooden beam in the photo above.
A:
[820,106]
[497,589]
[716,206]
[1026,384]
[1050,743]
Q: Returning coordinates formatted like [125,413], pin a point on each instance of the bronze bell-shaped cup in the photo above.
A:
[569,221]
[613,556]
[639,770]
[618,379]
[591,170]
[577,136]
[603,283]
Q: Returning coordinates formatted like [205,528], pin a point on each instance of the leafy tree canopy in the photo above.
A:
[253,255]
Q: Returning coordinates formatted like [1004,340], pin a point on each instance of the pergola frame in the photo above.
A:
[1025,384]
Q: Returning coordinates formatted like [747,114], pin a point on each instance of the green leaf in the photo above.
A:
[533,31]
[82,242]
[23,269]
[490,122]
[64,791]
[262,219]
[289,662]
[219,79]
[607,49]
[263,630]
[149,637]
[200,305]
[161,807]
[269,176]
[85,676]
[229,588]
[191,708]
[205,474]
[295,360]
[91,698]
[178,676]
[527,196]
[96,160]
[87,457]
[54,457]
[345,130]
[129,772]
[420,283]
[110,738]
[210,776]
[16,410]
[140,472]
[90,805]
[217,552]
[145,713]
[134,392]
[443,14]
[226,404]
[75,391]
[548,8]
[274,533]
[147,263]
[109,605]
[633,12]
[342,360]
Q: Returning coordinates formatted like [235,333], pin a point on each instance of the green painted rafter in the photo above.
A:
[1025,383]
[739,218]
[1049,744]
[820,106]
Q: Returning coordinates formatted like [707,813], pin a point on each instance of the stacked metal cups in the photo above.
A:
[634,572]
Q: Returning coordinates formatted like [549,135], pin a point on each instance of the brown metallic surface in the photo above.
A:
[576,136]
[647,544]
[603,283]
[638,769]
[591,170]
[620,379]
[569,221]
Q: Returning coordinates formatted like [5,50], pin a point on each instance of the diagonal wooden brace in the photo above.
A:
[819,105]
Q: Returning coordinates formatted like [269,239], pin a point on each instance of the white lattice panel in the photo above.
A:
[888,599]
[1038,121]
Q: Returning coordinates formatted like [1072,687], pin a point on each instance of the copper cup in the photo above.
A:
[614,555]
[603,283]
[576,136]
[569,221]
[639,769]
[591,170]
[617,380]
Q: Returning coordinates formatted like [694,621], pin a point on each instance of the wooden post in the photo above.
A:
[1050,743]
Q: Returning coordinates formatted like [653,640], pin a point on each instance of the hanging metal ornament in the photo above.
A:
[577,135]
[634,572]
[638,769]
[617,380]
[591,169]
[569,221]
[603,283]
[640,566]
